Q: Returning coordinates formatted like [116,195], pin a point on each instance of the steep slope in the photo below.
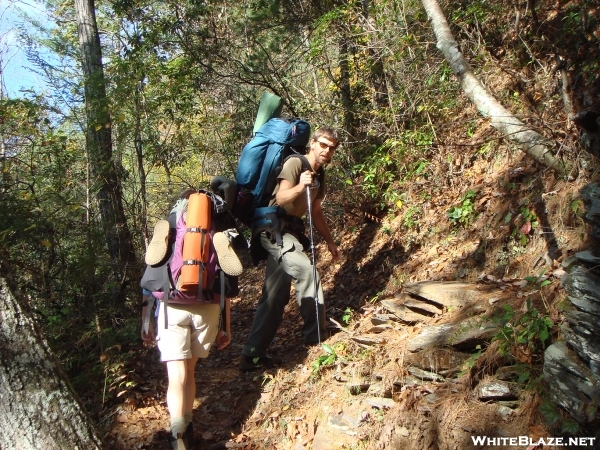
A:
[481,214]
[329,403]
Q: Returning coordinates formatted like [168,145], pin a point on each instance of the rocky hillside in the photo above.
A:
[443,303]
[429,348]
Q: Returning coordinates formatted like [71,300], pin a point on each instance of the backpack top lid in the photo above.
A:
[266,150]
[291,132]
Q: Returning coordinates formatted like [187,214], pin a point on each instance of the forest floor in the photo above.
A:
[292,407]
[519,223]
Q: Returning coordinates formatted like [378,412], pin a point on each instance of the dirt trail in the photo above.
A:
[290,408]
[225,397]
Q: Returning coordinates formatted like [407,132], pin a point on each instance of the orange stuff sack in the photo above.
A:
[196,243]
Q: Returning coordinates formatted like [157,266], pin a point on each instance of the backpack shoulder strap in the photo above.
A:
[306,166]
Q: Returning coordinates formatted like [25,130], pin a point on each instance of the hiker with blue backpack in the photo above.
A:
[281,235]
[188,248]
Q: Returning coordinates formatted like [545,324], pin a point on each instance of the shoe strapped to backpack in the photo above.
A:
[228,260]
[157,249]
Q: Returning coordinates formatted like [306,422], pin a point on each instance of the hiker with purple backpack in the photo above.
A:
[300,189]
[188,322]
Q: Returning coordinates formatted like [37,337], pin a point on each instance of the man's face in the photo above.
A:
[323,149]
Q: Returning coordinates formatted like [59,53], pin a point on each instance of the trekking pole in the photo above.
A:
[312,251]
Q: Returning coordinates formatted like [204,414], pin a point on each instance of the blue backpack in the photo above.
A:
[261,162]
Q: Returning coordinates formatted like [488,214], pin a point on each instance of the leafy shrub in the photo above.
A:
[554,417]
[332,355]
[384,168]
[465,212]
[347,315]
[524,336]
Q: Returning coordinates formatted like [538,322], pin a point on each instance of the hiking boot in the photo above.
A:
[325,334]
[177,443]
[249,363]
[188,436]
[228,260]
[157,249]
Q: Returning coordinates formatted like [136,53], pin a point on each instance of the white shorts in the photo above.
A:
[191,332]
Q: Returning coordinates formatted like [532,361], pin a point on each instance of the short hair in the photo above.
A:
[326,132]
[187,192]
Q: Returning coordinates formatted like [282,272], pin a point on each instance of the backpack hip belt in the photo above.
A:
[267,219]
[275,220]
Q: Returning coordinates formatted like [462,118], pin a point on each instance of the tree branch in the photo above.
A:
[530,141]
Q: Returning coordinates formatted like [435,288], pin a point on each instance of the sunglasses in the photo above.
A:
[326,146]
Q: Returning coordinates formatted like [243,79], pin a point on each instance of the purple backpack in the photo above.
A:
[175,264]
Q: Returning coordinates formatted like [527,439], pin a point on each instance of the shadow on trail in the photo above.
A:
[230,403]
[363,274]
[228,399]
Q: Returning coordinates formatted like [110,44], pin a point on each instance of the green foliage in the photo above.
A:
[331,356]
[470,362]
[572,22]
[54,242]
[553,417]
[570,426]
[347,315]
[384,168]
[550,412]
[527,221]
[464,212]
[528,332]
[375,298]
[530,223]
[529,217]
[378,171]
[473,13]
[116,378]
[576,205]
[183,90]
[411,216]
[540,281]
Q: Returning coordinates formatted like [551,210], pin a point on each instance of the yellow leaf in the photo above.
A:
[399,204]
[46,243]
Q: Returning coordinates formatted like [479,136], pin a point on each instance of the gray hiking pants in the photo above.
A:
[284,265]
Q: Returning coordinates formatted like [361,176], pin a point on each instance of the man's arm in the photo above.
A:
[320,224]
[288,191]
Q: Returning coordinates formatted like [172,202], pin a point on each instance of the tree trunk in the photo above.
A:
[139,151]
[99,141]
[344,83]
[38,406]
[377,70]
[530,141]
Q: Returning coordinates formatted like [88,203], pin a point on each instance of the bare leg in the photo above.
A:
[190,385]
[181,391]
